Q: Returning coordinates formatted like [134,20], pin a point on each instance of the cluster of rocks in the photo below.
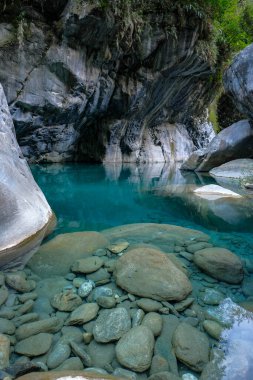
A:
[230,154]
[127,310]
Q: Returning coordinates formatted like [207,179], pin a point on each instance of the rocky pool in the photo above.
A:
[140,279]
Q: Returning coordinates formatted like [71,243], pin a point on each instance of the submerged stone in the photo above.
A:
[220,263]
[56,256]
[111,325]
[191,346]
[150,273]
[135,349]
[35,345]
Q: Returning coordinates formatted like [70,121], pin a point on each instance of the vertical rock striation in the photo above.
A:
[83,88]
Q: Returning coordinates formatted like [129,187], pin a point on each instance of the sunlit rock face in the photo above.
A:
[25,213]
[79,92]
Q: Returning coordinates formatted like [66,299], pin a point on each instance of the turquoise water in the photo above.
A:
[96,197]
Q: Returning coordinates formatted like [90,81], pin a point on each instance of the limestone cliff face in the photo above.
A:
[82,88]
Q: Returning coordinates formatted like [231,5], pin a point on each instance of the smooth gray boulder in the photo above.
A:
[235,169]
[231,143]
[25,214]
[238,81]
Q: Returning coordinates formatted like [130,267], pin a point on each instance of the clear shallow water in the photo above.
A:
[95,197]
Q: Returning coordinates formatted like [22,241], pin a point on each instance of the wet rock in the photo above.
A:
[87,265]
[159,364]
[212,297]
[85,288]
[163,345]
[48,287]
[7,313]
[81,353]
[54,255]
[27,297]
[235,169]
[231,143]
[164,376]
[83,314]
[154,322]
[121,372]
[3,295]
[198,246]
[50,325]
[163,236]
[111,325]
[4,351]
[106,302]
[87,337]
[100,277]
[150,273]
[101,291]
[247,286]
[71,333]
[191,346]
[213,329]
[66,301]
[19,282]
[102,354]
[25,308]
[220,263]
[137,316]
[135,349]
[60,352]
[149,305]
[7,327]
[71,364]
[118,247]
[35,345]
[181,306]
[214,192]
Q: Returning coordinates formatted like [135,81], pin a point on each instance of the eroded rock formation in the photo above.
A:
[25,213]
[82,88]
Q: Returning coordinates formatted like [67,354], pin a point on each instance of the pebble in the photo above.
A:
[102,291]
[118,246]
[19,282]
[35,345]
[100,277]
[137,316]
[4,293]
[87,265]
[85,288]
[135,349]
[213,328]
[81,353]
[149,305]
[87,337]
[27,318]
[111,325]
[106,302]
[83,314]
[124,373]
[7,327]
[154,322]
[60,352]
[66,301]
[71,364]
[50,325]
[4,351]
[27,296]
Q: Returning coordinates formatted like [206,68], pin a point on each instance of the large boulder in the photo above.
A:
[232,143]
[238,81]
[53,257]
[220,263]
[236,169]
[25,214]
[150,273]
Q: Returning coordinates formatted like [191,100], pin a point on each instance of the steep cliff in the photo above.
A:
[84,82]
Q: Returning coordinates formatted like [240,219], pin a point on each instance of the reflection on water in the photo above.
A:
[95,197]
[236,342]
